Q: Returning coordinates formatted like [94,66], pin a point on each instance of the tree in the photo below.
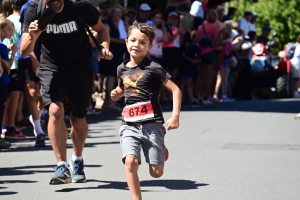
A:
[282,15]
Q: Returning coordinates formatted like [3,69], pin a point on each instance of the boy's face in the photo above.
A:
[138,44]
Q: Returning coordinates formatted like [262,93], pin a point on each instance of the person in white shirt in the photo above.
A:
[144,14]
[245,21]
[252,22]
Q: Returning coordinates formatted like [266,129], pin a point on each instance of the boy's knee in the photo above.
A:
[156,171]
[131,163]
[156,174]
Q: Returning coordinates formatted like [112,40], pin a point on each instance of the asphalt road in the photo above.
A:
[247,150]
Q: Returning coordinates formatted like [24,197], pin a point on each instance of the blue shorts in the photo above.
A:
[149,137]
[226,62]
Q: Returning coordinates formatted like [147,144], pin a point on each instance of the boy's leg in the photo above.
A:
[133,182]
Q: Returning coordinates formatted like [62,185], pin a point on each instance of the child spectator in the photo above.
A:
[140,79]
[189,64]
[4,81]
[8,121]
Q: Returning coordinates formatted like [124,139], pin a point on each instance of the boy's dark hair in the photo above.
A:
[144,28]
[231,10]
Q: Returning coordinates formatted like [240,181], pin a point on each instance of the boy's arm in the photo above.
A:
[173,122]
[117,93]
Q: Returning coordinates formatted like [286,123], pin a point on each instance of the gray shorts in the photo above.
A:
[149,137]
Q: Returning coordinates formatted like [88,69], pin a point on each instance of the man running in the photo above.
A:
[66,76]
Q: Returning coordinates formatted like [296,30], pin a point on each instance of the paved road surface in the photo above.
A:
[246,150]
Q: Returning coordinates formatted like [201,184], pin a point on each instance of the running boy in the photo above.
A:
[140,80]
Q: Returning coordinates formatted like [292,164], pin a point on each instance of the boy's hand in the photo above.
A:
[172,123]
[114,95]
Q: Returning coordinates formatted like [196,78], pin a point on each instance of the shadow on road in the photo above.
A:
[7,193]
[26,170]
[172,184]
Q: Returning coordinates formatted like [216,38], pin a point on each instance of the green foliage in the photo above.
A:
[282,15]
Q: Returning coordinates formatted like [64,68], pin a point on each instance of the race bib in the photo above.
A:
[138,112]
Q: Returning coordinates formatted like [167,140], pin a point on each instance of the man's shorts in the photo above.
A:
[149,137]
[17,81]
[25,67]
[72,87]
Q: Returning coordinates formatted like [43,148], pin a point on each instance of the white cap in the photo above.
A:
[173,13]
[145,7]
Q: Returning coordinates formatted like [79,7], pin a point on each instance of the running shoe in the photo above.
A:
[77,173]
[13,134]
[40,140]
[61,175]
[4,144]
[166,154]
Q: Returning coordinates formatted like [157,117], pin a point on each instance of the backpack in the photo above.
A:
[205,41]
[77,12]
[290,51]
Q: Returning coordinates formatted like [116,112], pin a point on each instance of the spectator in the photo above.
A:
[171,53]
[230,15]
[185,28]
[198,11]
[8,121]
[295,69]
[235,28]
[245,21]
[6,8]
[264,38]
[252,22]
[4,81]
[208,56]
[104,9]
[188,66]
[156,51]
[130,16]
[118,33]
[144,14]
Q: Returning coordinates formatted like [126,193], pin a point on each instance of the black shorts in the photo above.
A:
[71,87]
[25,67]
[171,58]
[17,80]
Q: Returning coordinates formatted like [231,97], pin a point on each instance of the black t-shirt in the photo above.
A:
[65,42]
[193,52]
[142,83]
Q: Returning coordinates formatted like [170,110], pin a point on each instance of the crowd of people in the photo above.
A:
[199,47]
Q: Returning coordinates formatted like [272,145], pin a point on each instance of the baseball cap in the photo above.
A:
[247,13]
[145,7]
[103,2]
[173,14]
[254,14]
[266,28]
[18,3]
